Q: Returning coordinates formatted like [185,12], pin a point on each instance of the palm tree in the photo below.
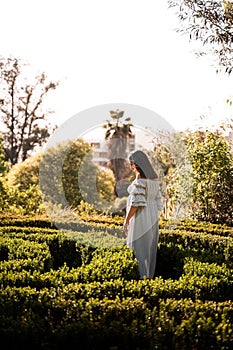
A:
[118,133]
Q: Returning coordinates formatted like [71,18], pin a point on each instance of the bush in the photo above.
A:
[62,287]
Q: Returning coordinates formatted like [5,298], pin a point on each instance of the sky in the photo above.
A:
[125,51]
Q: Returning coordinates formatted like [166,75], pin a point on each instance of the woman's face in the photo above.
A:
[133,167]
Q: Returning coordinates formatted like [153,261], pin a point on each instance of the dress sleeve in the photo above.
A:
[138,194]
[159,200]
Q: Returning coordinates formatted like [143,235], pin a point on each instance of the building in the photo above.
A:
[100,150]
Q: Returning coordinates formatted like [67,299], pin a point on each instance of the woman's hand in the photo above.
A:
[129,216]
[125,227]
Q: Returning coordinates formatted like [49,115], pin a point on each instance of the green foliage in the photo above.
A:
[84,287]
[105,185]
[190,225]
[68,176]
[173,164]
[107,265]
[3,195]
[3,186]
[3,164]
[22,193]
[37,221]
[210,23]
[24,255]
[53,177]
[26,202]
[212,173]
[25,174]
[198,175]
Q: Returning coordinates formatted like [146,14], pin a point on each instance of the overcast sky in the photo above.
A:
[124,51]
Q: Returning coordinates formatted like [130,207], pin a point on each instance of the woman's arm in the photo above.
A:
[130,214]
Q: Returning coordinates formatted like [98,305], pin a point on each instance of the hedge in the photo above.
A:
[81,288]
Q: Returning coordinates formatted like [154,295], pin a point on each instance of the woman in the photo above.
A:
[141,221]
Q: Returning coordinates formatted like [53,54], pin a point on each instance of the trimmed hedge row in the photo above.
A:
[88,221]
[63,288]
[17,254]
[117,276]
[46,320]
[76,248]
[83,224]
[175,246]
[197,227]
[62,249]
[25,221]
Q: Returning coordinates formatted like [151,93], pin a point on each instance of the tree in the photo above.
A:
[25,180]
[3,187]
[21,108]
[212,172]
[174,170]
[25,174]
[210,22]
[68,175]
[118,133]
[3,165]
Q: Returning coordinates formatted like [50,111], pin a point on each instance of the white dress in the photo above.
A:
[143,229]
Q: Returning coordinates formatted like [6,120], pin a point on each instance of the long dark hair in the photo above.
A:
[143,165]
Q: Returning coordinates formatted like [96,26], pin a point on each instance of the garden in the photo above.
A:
[67,278]
[80,287]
